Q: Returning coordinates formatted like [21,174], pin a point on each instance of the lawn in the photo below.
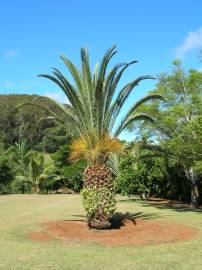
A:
[21,214]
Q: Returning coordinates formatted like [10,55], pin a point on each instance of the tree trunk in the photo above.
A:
[144,196]
[36,189]
[194,196]
[23,188]
[99,182]
[194,178]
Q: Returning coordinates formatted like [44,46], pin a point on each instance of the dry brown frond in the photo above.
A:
[94,152]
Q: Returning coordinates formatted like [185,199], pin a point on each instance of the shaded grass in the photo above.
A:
[21,214]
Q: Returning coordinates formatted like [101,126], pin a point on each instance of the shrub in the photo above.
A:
[140,176]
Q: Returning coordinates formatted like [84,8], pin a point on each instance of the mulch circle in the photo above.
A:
[139,232]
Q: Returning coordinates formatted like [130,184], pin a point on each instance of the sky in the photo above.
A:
[33,33]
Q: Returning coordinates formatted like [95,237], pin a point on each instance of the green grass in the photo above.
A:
[20,214]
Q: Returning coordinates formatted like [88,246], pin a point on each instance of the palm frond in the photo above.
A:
[116,80]
[130,119]
[44,119]
[95,105]
[147,98]
[42,108]
[103,66]
[122,98]
[74,72]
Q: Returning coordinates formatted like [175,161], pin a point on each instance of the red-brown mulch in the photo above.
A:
[134,233]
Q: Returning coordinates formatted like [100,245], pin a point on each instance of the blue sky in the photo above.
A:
[33,33]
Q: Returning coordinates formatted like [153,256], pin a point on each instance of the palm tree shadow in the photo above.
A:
[118,219]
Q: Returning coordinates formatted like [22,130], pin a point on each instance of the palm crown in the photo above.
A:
[94,108]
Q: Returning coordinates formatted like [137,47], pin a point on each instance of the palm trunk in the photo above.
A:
[99,183]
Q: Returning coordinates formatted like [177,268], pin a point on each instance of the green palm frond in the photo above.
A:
[131,116]
[123,97]
[50,112]
[103,67]
[114,82]
[95,104]
[74,72]
[128,119]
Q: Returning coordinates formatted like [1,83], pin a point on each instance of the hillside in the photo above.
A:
[24,121]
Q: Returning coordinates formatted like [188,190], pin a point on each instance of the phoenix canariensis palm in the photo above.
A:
[93,118]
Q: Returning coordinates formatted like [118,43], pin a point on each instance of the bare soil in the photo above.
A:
[138,232]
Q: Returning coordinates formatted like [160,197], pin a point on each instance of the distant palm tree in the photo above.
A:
[22,151]
[93,118]
[36,165]
[31,165]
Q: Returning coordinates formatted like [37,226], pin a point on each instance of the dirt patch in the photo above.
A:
[133,232]
[40,236]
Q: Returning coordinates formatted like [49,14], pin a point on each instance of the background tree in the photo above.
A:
[141,172]
[53,138]
[178,128]
[71,174]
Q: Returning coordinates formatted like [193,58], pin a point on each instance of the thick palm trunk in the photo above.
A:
[98,181]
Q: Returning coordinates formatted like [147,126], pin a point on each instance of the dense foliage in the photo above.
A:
[178,127]
[143,175]
[6,173]
[71,173]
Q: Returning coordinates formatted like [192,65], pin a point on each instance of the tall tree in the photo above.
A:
[179,122]
[92,118]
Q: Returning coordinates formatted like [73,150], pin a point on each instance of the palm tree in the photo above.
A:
[93,118]
[22,154]
[36,166]
[23,150]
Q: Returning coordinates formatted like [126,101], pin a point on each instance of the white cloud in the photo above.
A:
[192,41]
[11,53]
[57,96]
[8,84]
